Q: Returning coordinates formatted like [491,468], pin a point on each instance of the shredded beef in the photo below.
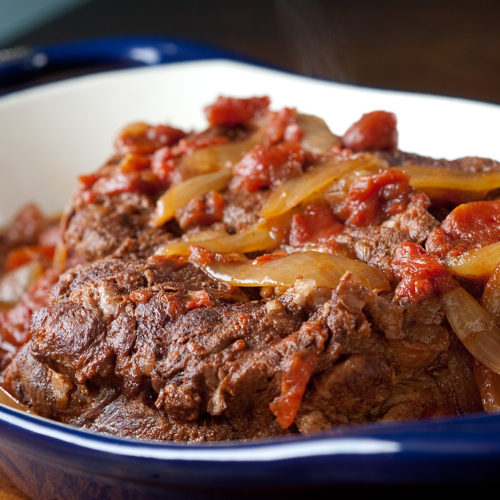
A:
[119,342]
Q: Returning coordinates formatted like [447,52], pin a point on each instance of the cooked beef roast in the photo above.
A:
[152,346]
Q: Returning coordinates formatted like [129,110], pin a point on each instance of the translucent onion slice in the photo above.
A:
[488,383]
[294,191]
[478,263]
[317,136]
[422,177]
[178,196]
[14,283]
[491,295]
[251,239]
[217,156]
[325,269]
[474,326]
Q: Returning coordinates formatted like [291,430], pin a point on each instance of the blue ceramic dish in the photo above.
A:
[50,460]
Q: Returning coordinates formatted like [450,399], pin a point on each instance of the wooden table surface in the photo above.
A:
[448,48]
[10,492]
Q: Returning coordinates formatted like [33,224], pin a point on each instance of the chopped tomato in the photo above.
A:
[267,257]
[133,162]
[372,198]
[263,166]
[470,225]
[194,142]
[198,298]
[201,256]
[421,273]
[163,163]
[282,125]
[293,385]
[22,255]
[316,225]
[15,323]
[142,138]
[88,180]
[143,181]
[202,210]
[230,111]
[375,130]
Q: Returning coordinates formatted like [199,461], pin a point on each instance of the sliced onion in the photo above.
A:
[317,136]
[488,383]
[294,191]
[217,156]
[474,326]
[14,283]
[325,269]
[491,295]
[178,196]
[423,177]
[477,263]
[251,239]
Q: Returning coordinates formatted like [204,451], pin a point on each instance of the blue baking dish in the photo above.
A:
[50,460]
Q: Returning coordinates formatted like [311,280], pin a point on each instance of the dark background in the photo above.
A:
[450,48]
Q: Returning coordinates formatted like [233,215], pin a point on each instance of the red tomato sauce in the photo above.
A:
[470,225]
[421,274]
[22,255]
[15,323]
[293,385]
[317,224]
[201,211]
[373,198]
[268,166]
[375,130]
[230,111]
[142,138]
[282,125]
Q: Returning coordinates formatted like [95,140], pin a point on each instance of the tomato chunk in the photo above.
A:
[421,274]
[317,224]
[142,138]
[282,125]
[293,385]
[263,167]
[22,255]
[470,225]
[194,142]
[202,210]
[373,198]
[375,130]
[198,298]
[130,182]
[230,111]
[163,163]
[15,323]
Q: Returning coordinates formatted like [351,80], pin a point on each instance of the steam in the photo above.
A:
[314,38]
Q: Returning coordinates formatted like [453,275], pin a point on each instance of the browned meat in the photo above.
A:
[393,364]
[115,225]
[467,163]
[198,360]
